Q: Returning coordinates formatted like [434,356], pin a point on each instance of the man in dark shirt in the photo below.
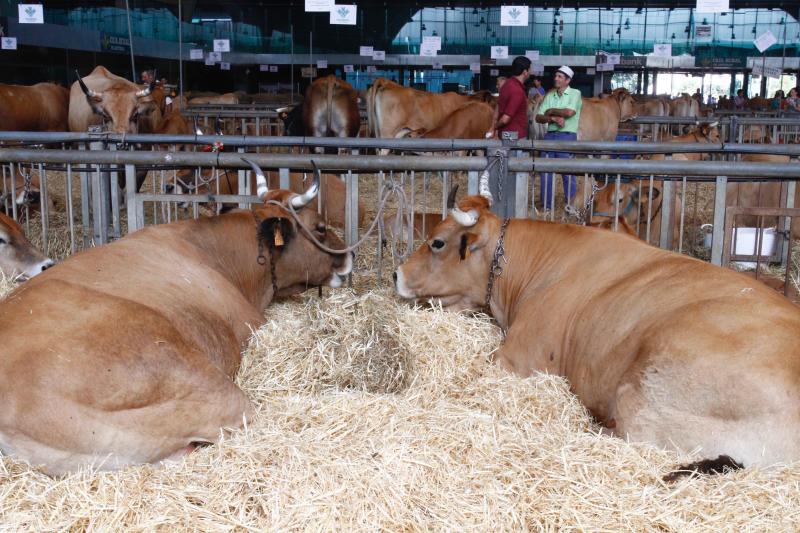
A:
[512,105]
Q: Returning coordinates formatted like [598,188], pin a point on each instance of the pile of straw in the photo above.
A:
[372,415]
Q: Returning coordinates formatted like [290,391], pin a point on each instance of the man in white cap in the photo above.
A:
[561,111]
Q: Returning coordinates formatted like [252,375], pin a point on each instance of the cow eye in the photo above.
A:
[3,241]
[437,244]
[321,228]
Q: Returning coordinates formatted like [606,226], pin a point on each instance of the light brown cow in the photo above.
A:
[330,109]
[470,121]
[103,96]
[221,99]
[40,107]
[18,257]
[682,367]
[32,197]
[135,345]
[392,107]
[600,117]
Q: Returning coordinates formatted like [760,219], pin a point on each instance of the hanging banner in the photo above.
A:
[513,15]
[349,69]
[9,43]
[613,59]
[222,45]
[273,68]
[764,41]
[322,64]
[319,6]
[662,50]
[31,14]
[604,67]
[379,55]
[475,67]
[712,6]
[225,66]
[533,55]
[704,33]
[433,41]
[344,14]
[499,52]
[770,72]
[196,53]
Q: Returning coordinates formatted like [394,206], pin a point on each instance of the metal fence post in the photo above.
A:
[502,185]
[521,191]
[718,235]
[134,223]
[243,182]
[665,238]
[100,210]
[351,207]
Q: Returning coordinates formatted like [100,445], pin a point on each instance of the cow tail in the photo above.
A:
[329,102]
[372,108]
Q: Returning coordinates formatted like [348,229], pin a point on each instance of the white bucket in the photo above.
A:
[746,243]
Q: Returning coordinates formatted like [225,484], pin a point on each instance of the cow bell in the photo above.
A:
[303,200]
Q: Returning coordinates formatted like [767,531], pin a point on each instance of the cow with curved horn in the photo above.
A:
[79,391]
[682,367]
[104,97]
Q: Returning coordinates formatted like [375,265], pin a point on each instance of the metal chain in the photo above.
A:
[261,260]
[496,269]
[581,214]
[500,177]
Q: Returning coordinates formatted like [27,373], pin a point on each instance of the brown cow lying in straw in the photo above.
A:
[134,348]
[655,344]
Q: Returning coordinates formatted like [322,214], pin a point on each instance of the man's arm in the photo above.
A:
[564,112]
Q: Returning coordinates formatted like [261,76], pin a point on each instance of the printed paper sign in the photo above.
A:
[343,14]
[308,72]
[764,41]
[437,65]
[273,68]
[31,14]
[322,63]
[372,69]
[215,56]
[499,52]
[604,67]
[263,68]
[365,51]
[222,45]
[613,59]
[209,60]
[704,33]
[662,50]
[319,5]
[379,55]
[533,55]
[475,67]
[348,68]
[537,69]
[513,15]
[494,72]
[225,66]
[9,43]
[433,41]
[770,72]
[712,6]
[428,50]
[196,53]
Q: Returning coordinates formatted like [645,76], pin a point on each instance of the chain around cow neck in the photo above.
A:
[496,269]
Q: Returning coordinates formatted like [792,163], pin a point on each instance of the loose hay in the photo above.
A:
[372,415]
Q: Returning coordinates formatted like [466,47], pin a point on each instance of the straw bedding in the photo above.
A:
[376,416]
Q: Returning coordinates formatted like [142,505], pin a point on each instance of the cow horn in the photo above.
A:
[451,197]
[146,91]
[261,181]
[302,200]
[87,91]
[714,124]
[483,187]
[465,218]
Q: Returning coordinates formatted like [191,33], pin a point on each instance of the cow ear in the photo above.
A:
[467,245]
[275,232]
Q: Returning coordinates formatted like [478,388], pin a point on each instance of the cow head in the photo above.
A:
[633,202]
[296,245]
[18,257]
[706,132]
[452,266]
[122,104]
[627,105]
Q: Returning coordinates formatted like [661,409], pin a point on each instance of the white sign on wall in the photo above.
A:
[372,69]
[428,50]
[322,63]
[365,51]
[712,6]
[273,68]
[704,33]
[499,52]
[9,43]
[764,41]
[210,60]
[533,55]
[379,55]
[196,53]
[613,59]
[222,45]
[475,67]
[662,50]
[225,66]
[215,56]
[513,15]
[319,5]
[343,14]
[308,72]
[590,71]
[437,65]
[604,67]
[31,14]
[263,68]
[537,69]
[494,72]
[348,68]
[770,72]
[433,41]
